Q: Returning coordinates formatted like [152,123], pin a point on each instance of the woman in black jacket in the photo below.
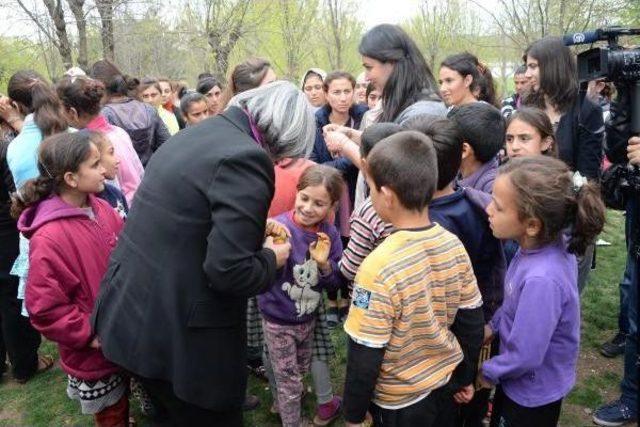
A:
[172,308]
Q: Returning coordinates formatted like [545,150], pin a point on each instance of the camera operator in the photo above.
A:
[621,148]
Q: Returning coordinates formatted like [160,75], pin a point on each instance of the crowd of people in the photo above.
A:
[170,241]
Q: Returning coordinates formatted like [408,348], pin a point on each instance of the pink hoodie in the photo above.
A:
[130,171]
[68,256]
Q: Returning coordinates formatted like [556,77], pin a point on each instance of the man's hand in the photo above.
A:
[633,150]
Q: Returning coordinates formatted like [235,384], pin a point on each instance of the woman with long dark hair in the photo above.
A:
[577,121]
[140,121]
[463,79]
[394,64]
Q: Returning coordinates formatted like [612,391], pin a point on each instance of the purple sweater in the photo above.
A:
[482,179]
[539,327]
[294,297]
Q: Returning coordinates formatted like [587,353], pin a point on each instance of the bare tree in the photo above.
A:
[77,9]
[524,21]
[296,18]
[61,38]
[225,23]
[341,27]
[105,10]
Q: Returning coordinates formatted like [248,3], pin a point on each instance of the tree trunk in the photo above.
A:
[77,7]
[105,9]
[54,7]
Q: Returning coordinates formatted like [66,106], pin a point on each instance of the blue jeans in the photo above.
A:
[629,385]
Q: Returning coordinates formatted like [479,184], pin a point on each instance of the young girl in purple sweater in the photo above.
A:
[535,200]
[289,306]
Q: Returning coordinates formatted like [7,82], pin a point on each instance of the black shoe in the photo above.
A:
[251,402]
[615,347]
[333,317]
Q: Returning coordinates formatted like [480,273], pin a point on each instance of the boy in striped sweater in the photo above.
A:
[415,303]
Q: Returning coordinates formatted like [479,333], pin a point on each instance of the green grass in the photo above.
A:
[43,401]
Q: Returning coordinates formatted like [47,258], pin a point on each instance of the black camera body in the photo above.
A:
[613,62]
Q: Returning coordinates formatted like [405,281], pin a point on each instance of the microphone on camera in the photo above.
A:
[585,37]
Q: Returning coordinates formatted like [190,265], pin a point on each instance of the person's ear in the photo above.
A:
[467,151]
[533,227]
[547,144]
[388,197]
[468,80]
[70,180]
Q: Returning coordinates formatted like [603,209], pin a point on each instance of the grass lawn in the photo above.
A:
[43,401]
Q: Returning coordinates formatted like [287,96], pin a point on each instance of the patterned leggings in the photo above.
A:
[290,350]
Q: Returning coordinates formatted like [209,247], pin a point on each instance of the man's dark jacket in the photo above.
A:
[173,300]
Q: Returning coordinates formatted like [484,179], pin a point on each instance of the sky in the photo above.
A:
[376,12]
[372,12]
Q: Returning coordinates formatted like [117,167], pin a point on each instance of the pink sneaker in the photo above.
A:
[327,412]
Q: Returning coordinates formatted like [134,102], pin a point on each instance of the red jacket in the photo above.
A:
[68,255]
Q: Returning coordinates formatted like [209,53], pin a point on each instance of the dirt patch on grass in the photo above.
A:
[597,382]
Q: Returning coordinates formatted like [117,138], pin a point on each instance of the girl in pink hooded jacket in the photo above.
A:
[71,235]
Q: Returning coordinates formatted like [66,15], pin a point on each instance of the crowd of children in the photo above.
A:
[450,232]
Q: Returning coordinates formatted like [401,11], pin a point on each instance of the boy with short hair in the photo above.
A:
[462,211]
[410,294]
[482,128]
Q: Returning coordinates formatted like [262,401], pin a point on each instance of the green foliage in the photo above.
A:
[16,54]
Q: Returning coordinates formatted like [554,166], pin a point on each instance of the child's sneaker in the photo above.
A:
[333,317]
[327,412]
[614,414]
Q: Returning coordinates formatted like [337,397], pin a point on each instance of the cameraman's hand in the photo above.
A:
[633,150]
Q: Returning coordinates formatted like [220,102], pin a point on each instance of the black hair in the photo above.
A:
[206,84]
[520,69]
[406,163]
[370,88]
[467,64]
[337,75]
[34,95]
[81,93]
[374,134]
[191,98]
[558,76]
[482,127]
[57,155]
[545,190]
[446,140]
[115,82]
[411,79]
[204,75]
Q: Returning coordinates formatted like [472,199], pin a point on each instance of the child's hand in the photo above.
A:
[281,250]
[488,335]
[278,231]
[319,250]
[482,381]
[95,343]
[464,395]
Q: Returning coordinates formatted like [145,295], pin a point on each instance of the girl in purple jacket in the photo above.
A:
[289,306]
[535,200]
